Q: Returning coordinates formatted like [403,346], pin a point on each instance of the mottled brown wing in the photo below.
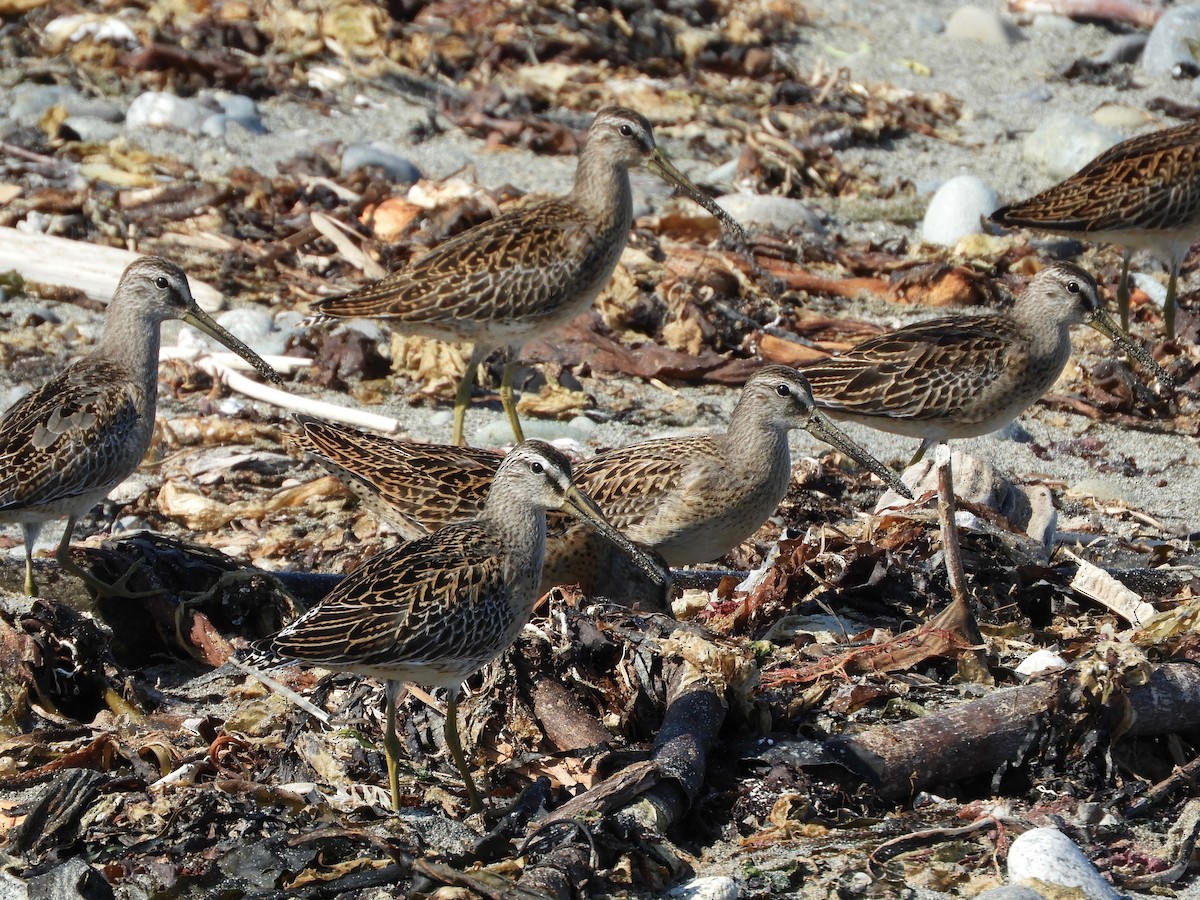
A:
[922,371]
[509,268]
[68,437]
[1147,182]
[632,484]
[419,488]
[420,602]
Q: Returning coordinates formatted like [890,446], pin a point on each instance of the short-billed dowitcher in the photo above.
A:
[529,271]
[966,375]
[690,499]
[1143,193]
[64,446]
[436,609]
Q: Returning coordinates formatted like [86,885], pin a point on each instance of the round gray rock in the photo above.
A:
[1063,143]
[1170,43]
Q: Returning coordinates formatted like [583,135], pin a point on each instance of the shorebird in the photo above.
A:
[529,271]
[967,375]
[64,446]
[436,609]
[1143,193]
[689,499]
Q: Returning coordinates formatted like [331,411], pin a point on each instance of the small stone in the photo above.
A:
[1050,856]
[255,326]
[214,126]
[241,111]
[1124,48]
[924,22]
[971,23]
[398,168]
[89,130]
[1039,93]
[782,213]
[31,100]
[723,174]
[1030,509]
[1048,22]
[71,879]
[1171,41]
[1011,892]
[1040,661]
[1063,143]
[1120,116]
[716,887]
[957,210]
[155,109]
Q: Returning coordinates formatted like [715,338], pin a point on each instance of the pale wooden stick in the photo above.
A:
[258,391]
[91,268]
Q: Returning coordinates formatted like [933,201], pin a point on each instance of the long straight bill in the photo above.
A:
[581,506]
[1107,327]
[198,318]
[819,426]
[659,166]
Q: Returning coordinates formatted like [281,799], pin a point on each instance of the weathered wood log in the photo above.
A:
[978,737]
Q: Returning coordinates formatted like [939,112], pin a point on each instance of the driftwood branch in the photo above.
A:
[979,737]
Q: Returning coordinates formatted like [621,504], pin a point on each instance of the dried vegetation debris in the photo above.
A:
[131,741]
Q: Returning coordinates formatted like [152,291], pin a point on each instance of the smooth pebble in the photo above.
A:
[782,213]
[1171,41]
[957,210]
[1063,143]
[715,887]
[1050,856]
[972,23]
[156,109]
[379,156]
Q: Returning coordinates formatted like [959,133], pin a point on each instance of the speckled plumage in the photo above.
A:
[967,375]
[1143,193]
[65,445]
[689,499]
[528,271]
[438,608]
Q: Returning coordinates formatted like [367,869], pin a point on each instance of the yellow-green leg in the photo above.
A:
[506,394]
[1123,291]
[921,451]
[100,588]
[462,397]
[391,744]
[1169,303]
[456,751]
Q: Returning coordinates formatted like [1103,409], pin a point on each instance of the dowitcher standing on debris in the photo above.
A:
[968,375]
[1143,193]
[437,609]
[529,271]
[64,446]
[690,499]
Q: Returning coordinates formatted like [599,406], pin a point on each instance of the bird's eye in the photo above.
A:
[627,130]
[783,390]
[537,468]
[1072,287]
[161,282]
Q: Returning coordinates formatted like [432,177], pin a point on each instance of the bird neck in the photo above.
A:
[753,436]
[602,191]
[521,529]
[1045,329]
[132,342]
